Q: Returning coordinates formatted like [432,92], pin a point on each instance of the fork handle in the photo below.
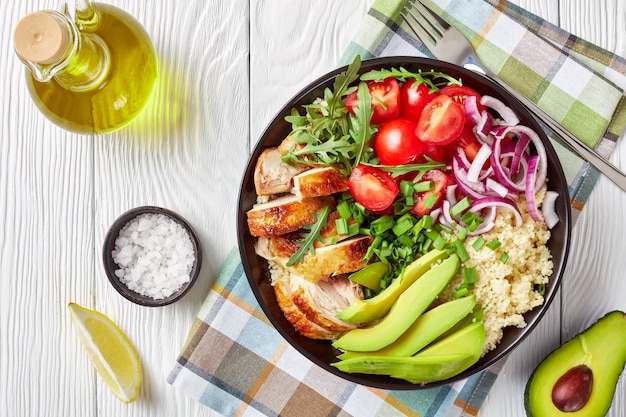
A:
[597,160]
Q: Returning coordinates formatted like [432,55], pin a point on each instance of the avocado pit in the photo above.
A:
[572,390]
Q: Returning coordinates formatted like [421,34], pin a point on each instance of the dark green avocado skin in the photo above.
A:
[602,348]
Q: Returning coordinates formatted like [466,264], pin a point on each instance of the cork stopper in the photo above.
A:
[40,37]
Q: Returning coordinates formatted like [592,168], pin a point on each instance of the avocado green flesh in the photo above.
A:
[428,327]
[413,369]
[407,308]
[438,362]
[366,311]
[370,275]
[602,348]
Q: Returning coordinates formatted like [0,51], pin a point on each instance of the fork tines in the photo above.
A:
[428,21]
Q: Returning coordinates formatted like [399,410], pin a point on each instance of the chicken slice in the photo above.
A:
[312,308]
[288,144]
[285,214]
[332,260]
[272,175]
[318,182]
[292,313]
[288,244]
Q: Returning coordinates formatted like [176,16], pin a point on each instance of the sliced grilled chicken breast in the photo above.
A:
[318,182]
[312,308]
[285,214]
[272,175]
[286,245]
[332,260]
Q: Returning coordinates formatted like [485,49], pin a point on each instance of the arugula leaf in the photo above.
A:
[314,229]
[328,134]
[421,77]
[361,129]
[399,170]
[342,83]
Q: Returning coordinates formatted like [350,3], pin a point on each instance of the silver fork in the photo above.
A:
[448,44]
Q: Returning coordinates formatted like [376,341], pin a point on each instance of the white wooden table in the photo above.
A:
[225,68]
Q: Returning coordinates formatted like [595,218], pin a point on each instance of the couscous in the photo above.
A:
[506,289]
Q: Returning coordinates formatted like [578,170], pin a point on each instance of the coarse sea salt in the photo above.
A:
[154,254]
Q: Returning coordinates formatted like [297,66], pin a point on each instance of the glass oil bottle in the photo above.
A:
[92,74]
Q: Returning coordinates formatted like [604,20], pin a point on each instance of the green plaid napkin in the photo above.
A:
[235,362]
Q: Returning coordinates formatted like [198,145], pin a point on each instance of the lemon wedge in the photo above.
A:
[108,348]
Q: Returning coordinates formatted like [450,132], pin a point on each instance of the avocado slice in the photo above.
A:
[579,378]
[405,310]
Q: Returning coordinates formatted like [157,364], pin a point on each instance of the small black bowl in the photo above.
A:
[322,352]
[110,266]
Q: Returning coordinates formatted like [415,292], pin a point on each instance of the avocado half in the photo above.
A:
[579,377]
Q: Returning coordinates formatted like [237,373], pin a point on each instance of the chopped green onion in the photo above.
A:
[381,225]
[431,199]
[440,242]
[472,220]
[423,186]
[470,277]
[344,209]
[403,225]
[342,226]
[353,229]
[460,207]
[406,188]
[460,250]
[478,243]
[461,292]
[427,222]
[405,240]
[504,257]
[445,229]
[493,244]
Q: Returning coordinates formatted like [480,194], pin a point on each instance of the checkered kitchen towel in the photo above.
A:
[236,363]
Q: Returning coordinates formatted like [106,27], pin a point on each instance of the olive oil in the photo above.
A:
[108,80]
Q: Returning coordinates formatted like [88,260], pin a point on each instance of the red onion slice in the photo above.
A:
[473,173]
[548,209]
[470,104]
[501,202]
[531,200]
[508,116]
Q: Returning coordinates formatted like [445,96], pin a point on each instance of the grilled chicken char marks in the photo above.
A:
[288,244]
[318,182]
[285,214]
[331,260]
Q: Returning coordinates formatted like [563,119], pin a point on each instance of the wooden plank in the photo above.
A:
[186,152]
[46,256]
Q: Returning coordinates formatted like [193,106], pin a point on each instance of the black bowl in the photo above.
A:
[110,266]
[321,352]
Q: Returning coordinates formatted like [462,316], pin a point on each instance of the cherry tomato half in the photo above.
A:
[441,181]
[459,93]
[397,144]
[413,98]
[385,100]
[441,121]
[372,187]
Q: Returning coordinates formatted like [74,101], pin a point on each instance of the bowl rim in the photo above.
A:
[564,225]
[110,265]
